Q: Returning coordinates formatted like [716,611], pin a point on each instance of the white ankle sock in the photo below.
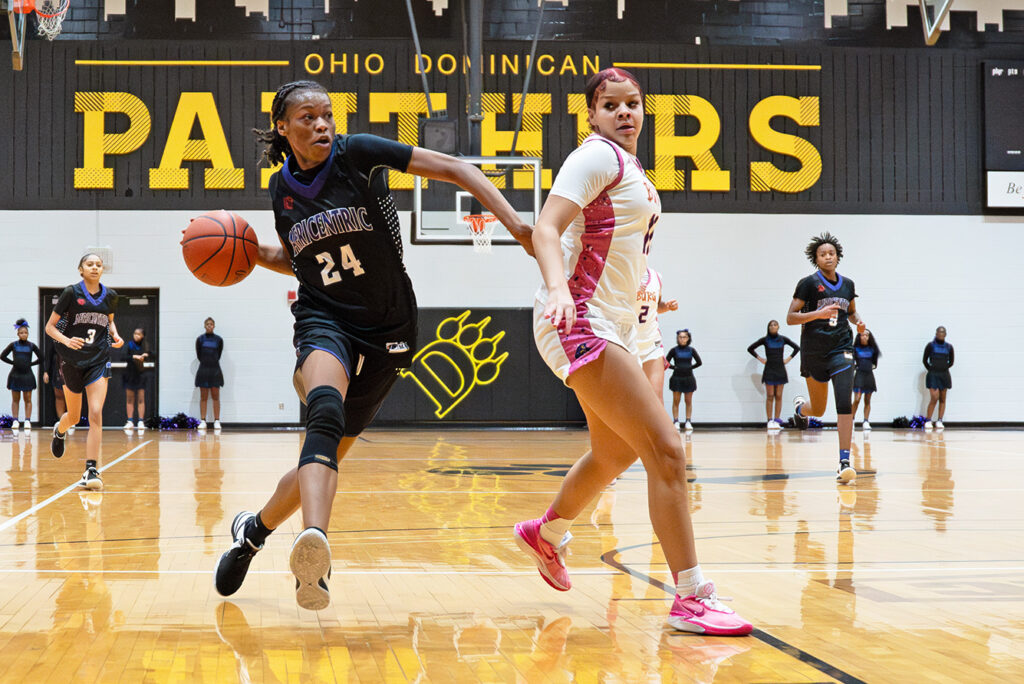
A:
[553,531]
[687,581]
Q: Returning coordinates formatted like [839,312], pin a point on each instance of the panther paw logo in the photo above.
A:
[459,359]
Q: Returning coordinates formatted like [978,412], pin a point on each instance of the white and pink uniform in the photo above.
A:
[649,344]
[604,253]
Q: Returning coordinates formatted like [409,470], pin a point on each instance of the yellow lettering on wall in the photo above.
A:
[407,107]
[577,104]
[97,143]
[765,176]
[342,104]
[546,70]
[530,142]
[568,66]
[212,147]
[668,146]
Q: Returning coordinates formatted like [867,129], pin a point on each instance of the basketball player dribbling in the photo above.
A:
[355,317]
[82,325]
[591,242]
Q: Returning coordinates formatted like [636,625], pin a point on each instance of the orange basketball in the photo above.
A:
[220,248]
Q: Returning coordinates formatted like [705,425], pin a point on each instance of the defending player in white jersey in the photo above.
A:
[591,242]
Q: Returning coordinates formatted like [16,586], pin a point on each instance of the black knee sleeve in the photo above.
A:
[325,425]
[842,385]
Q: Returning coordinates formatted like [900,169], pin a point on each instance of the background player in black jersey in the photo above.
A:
[823,305]
[938,359]
[20,380]
[82,324]
[683,359]
[209,377]
[865,356]
[134,379]
[355,317]
[774,376]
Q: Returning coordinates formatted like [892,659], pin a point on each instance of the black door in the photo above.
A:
[137,308]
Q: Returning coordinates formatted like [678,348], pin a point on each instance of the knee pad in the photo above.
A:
[325,425]
[842,385]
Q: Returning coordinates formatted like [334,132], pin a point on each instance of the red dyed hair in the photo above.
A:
[596,84]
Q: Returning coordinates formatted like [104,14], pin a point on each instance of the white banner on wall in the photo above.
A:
[1006,189]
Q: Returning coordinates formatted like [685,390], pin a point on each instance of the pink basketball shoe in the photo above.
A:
[550,559]
[704,613]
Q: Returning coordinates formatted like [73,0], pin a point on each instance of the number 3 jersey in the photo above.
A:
[339,225]
[88,317]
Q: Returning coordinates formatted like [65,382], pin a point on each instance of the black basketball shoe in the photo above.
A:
[91,477]
[57,443]
[234,564]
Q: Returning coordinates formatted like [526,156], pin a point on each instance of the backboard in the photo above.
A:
[439,208]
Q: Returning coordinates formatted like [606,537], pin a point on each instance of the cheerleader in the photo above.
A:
[209,378]
[135,380]
[21,381]
[774,376]
[938,359]
[683,359]
[865,357]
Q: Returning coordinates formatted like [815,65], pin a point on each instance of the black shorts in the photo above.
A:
[76,379]
[774,375]
[134,382]
[821,366]
[371,373]
[21,382]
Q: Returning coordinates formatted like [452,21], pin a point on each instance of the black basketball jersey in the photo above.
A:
[817,292]
[88,317]
[342,233]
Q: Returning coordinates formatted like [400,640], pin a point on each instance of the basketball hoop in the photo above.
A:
[481,226]
[50,15]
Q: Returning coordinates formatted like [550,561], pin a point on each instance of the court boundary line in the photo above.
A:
[778,644]
[42,504]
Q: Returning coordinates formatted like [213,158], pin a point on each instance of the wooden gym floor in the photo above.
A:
[914,574]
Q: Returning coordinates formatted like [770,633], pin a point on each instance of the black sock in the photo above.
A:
[90,464]
[256,531]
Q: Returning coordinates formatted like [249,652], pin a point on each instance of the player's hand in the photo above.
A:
[560,309]
[861,327]
[762,361]
[670,305]
[523,235]
[826,312]
[787,360]
[75,343]
[118,342]
[46,378]
[138,357]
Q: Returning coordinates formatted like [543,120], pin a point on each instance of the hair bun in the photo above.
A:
[21,323]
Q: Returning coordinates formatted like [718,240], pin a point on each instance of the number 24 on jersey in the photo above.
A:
[348,263]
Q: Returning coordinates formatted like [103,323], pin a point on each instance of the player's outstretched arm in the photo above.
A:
[274,258]
[443,167]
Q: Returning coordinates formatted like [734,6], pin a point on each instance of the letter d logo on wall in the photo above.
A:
[460,353]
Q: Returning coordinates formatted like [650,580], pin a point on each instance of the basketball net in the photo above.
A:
[482,227]
[50,15]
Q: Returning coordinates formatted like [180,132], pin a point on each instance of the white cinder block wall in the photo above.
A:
[730,272]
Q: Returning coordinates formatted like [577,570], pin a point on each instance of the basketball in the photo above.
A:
[220,248]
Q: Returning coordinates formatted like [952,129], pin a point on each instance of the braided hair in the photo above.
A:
[277,147]
[824,239]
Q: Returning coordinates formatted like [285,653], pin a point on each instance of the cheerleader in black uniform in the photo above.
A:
[938,359]
[52,376]
[774,376]
[683,359]
[865,356]
[82,323]
[209,378]
[135,379]
[21,381]
[355,317]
